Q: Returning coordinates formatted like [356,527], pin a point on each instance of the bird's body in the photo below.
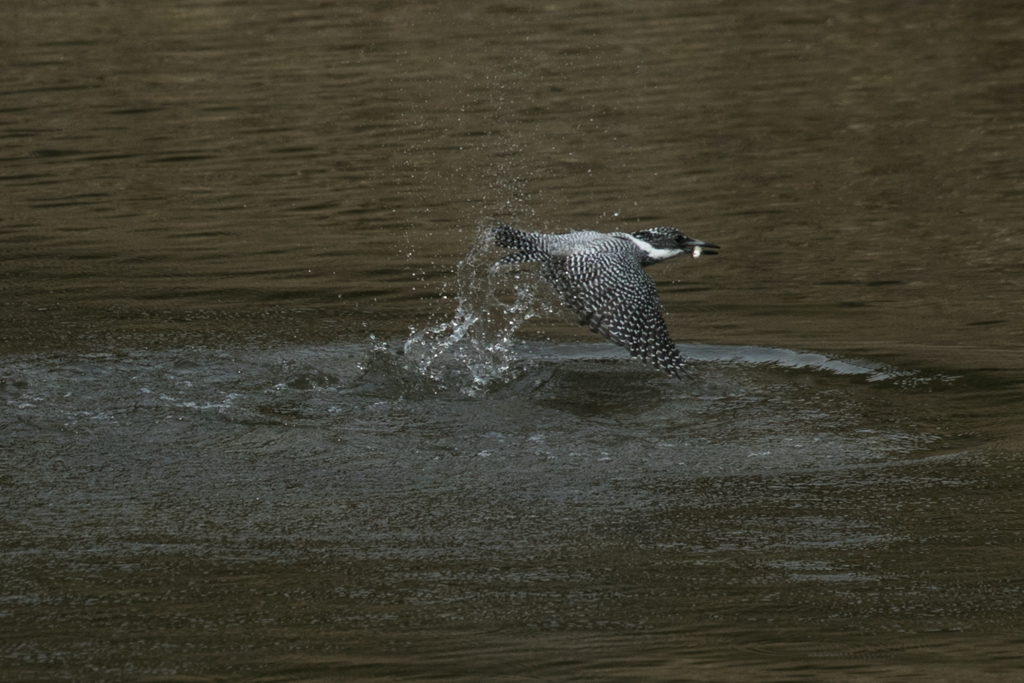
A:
[600,277]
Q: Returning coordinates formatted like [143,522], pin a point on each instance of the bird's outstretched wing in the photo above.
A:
[613,295]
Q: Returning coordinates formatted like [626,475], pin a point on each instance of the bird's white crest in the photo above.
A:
[654,253]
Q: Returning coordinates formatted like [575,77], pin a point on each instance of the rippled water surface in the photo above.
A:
[267,413]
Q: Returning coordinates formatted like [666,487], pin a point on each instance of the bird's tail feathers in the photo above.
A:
[526,244]
[517,257]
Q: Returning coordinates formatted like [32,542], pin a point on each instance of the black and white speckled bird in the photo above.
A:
[600,277]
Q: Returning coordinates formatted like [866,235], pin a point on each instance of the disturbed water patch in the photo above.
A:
[749,409]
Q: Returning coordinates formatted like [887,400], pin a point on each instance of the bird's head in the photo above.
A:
[659,244]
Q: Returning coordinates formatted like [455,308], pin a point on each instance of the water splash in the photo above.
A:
[474,350]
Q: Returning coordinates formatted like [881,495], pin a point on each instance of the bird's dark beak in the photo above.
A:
[700,247]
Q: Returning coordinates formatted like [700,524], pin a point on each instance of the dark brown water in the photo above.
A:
[266,415]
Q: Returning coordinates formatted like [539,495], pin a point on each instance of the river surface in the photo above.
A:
[268,414]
